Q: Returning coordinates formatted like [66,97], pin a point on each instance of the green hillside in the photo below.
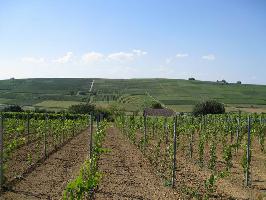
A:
[131,94]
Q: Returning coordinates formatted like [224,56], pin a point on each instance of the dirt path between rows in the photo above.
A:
[49,180]
[128,174]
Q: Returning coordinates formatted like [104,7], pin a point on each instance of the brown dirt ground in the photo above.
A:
[128,174]
[50,178]
[27,157]
[190,177]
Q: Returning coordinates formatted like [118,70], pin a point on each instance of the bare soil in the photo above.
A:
[50,178]
[127,174]
[190,177]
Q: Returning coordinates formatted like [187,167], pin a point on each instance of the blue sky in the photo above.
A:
[205,39]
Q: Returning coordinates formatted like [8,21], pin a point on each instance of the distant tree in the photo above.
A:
[71,93]
[82,108]
[191,79]
[239,82]
[208,107]
[224,81]
[156,105]
[13,108]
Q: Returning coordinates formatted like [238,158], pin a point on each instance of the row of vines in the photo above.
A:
[87,182]
[224,147]
[28,138]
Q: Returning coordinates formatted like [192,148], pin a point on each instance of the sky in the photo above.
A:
[205,39]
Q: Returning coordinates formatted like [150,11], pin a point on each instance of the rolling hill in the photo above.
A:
[180,95]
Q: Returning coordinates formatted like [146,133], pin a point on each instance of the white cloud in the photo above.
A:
[32,60]
[92,57]
[64,59]
[139,52]
[121,56]
[209,57]
[126,56]
[181,55]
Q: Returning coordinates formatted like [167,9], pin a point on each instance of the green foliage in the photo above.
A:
[208,133]
[13,108]
[210,183]
[208,107]
[82,109]
[83,186]
[131,92]
[227,156]
[156,105]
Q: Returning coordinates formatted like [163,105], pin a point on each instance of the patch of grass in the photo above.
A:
[56,104]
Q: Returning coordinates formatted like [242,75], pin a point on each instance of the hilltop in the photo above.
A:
[131,94]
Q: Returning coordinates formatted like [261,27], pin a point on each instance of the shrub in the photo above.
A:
[91,109]
[191,79]
[156,105]
[82,109]
[208,107]
[13,108]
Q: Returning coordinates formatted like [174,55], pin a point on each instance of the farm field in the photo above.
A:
[130,94]
[181,157]
[211,161]
[133,100]
[49,179]
[55,104]
[127,173]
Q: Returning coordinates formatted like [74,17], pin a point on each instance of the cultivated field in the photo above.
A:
[130,94]
[71,156]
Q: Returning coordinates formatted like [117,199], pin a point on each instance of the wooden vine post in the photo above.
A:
[64,119]
[145,131]
[28,128]
[191,140]
[1,153]
[90,132]
[174,156]
[237,133]
[165,130]
[44,136]
[247,175]
[97,121]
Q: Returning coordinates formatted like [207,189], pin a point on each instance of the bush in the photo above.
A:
[191,79]
[208,107]
[91,109]
[82,109]
[13,108]
[156,105]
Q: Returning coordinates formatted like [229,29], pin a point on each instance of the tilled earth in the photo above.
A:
[50,178]
[128,174]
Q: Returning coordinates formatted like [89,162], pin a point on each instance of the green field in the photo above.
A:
[56,104]
[131,94]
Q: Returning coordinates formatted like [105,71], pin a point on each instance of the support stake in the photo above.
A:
[1,153]
[174,156]
[248,154]
[90,132]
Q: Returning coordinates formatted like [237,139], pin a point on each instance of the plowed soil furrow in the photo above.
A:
[49,179]
[128,174]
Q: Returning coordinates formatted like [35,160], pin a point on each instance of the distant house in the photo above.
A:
[158,112]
